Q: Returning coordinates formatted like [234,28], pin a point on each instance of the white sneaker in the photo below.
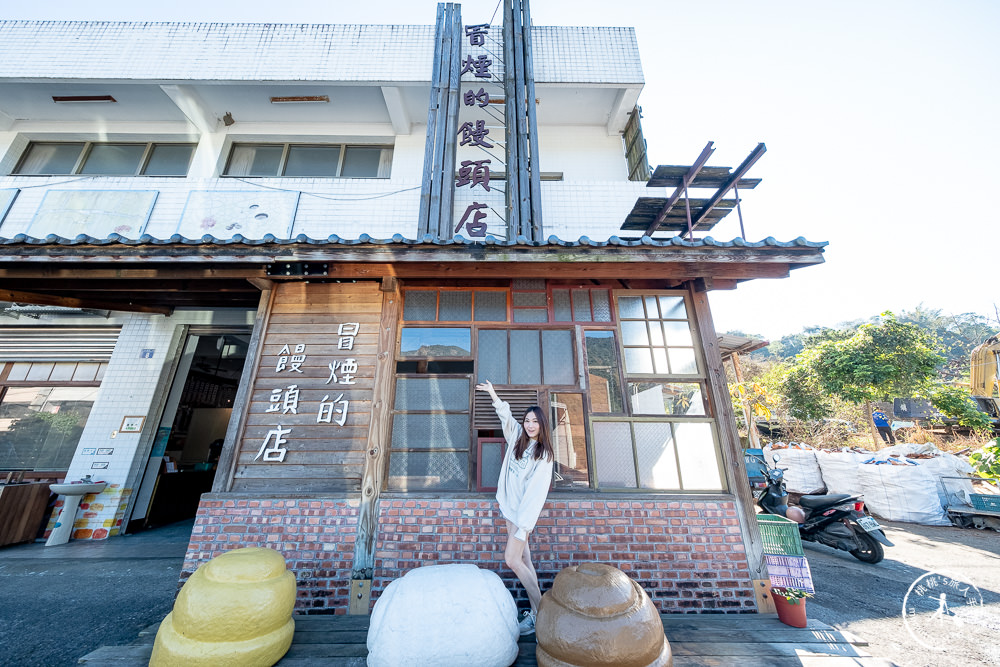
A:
[527,624]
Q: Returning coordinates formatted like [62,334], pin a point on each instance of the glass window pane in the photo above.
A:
[85,372]
[411,431]
[634,333]
[490,460]
[40,371]
[313,161]
[361,162]
[569,441]
[101,369]
[416,471]
[677,333]
[45,158]
[114,159]
[581,305]
[682,361]
[698,457]
[62,372]
[638,360]
[666,398]
[525,363]
[491,306]
[630,307]
[560,303]
[492,356]
[672,308]
[557,357]
[19,371]
[602,369]
[41,426]
[656,456]
[660,360]
[455,307]
[419,305]
[435,342]
[537,299]
[602,306]
[169,160]
[249,160]
[655,333]
[613,458]
[652,312]
[432,394]
[531,315]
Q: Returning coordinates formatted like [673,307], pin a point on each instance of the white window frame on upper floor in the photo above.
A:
[87,148]
[384,168]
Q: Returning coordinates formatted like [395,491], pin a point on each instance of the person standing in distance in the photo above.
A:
[883,427]
[525,475]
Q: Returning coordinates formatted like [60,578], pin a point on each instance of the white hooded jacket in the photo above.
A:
[524,483]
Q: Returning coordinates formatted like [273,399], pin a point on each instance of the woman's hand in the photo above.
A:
[487,386]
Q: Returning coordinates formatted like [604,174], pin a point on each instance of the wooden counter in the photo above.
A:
[22,509]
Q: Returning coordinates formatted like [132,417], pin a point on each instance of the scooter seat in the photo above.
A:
[812,502]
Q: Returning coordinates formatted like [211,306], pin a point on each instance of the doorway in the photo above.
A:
[185,453]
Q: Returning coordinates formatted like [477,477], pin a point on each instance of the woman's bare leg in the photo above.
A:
[518,559]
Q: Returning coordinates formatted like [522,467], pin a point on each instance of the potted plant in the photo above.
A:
[790,603]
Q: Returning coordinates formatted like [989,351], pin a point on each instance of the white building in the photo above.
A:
[165,191]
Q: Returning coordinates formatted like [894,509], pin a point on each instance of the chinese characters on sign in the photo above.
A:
[475,172]
[286,400]
[789,572]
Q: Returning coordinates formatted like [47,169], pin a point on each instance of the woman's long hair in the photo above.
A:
[544,439]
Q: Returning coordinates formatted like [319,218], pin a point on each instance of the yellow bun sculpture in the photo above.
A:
[236,609]
[596,616]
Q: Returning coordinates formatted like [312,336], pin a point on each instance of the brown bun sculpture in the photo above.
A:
[596,616]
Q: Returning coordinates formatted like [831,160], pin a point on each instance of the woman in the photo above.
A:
[525,475]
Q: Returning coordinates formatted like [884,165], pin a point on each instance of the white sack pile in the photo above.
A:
[803,474]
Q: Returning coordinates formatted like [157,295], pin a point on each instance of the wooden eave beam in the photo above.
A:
[706,153]
[68,302]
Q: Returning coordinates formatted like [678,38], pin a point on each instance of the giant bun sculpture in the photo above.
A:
[236,610]
[596,616]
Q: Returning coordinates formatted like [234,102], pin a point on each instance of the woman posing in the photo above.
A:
[525,475]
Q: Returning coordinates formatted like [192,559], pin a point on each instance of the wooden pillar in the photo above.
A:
[226,468]
[376,453]
[732,454]
[747,413]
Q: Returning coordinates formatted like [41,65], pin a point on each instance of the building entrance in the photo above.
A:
[185,453]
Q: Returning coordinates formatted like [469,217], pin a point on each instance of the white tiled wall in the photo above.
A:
[286,52]
[133,386]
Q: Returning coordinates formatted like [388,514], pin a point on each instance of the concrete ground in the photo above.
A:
[867,600]
[59,603]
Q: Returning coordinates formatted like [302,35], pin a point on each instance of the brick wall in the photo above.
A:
[687,554]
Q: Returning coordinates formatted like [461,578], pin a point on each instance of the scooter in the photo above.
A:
[836,520]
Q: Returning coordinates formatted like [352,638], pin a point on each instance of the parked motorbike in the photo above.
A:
[836,520]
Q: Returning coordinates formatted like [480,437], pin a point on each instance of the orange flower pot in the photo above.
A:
[789,612]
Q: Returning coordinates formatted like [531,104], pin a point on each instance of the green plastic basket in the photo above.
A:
[779,535]
[985,502]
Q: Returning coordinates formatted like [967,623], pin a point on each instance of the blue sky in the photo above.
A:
[880,120]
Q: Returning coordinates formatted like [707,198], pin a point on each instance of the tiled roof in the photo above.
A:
[398,239]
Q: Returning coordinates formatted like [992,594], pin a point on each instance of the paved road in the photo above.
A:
[868,599]
[59,603]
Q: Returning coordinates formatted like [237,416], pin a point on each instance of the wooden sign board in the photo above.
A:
[310,410]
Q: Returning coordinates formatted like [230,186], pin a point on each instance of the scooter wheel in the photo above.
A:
[870,552]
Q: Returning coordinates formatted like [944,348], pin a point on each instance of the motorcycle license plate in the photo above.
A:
[869,524]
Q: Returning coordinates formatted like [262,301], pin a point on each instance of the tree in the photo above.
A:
[877,362]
